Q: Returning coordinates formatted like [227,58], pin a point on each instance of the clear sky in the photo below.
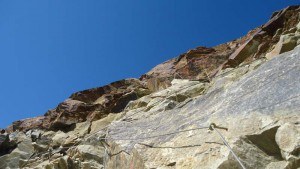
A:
[52,48]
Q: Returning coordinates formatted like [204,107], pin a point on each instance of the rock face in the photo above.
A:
[248,88]
[263,101]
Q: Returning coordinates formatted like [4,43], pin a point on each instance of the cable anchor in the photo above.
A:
[212,126]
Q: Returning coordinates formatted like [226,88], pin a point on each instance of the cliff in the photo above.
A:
[175,116]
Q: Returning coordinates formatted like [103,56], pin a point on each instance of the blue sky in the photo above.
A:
[52,48]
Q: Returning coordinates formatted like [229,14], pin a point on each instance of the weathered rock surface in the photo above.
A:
[260,101]
[249,88]
[288,140]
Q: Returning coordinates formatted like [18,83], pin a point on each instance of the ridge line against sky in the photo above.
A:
[50,49]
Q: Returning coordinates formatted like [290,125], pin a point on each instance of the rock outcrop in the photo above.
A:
[249,89]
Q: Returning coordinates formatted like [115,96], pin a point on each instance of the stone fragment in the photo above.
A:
[88,152]
[102,123]
[286,43]
[278,165]
[59,138]
[288,140]
[245,51]
[39,147]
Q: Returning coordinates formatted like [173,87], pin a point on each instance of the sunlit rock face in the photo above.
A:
[255,107]
[249,88]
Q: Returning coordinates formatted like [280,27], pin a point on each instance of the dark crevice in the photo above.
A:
[265,141]
[6,145]
[63,127]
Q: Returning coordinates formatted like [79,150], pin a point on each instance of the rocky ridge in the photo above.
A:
[249,86]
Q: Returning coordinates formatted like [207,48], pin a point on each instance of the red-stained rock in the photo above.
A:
[196,64]
[94,104]
[26,124]
[262,40]
[67,113]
